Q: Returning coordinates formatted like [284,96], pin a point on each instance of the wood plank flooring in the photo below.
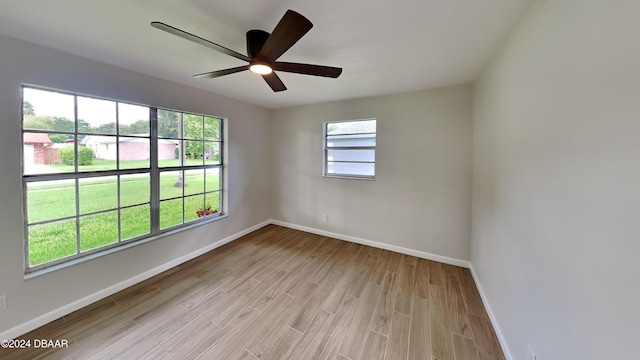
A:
[279,294]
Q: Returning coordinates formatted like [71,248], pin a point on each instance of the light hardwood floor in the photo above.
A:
[279,294]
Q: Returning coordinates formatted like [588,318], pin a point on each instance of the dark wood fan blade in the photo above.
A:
[289,30]
[308,69]
[274,82]
[218,73]
[198,40]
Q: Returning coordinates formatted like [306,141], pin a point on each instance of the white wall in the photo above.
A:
[556,199]
[248,175]
[421,198]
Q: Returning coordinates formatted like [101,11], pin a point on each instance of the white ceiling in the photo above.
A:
[383,46]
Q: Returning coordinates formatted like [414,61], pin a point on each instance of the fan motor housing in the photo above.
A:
[255,42]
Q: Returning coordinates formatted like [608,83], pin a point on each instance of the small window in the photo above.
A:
[350,149]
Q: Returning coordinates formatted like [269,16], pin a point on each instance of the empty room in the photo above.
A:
[438,180]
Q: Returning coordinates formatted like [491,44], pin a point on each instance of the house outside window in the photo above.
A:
[350,149]
[100,174]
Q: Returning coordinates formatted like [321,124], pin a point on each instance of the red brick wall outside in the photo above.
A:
[140,151]
[38,154]
[134,151]
[166,151]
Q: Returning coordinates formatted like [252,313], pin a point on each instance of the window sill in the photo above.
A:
[350,177]
[36,273]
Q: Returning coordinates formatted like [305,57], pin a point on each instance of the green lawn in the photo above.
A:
[100,164]
[57,199]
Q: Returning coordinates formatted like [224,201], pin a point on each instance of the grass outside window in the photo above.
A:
[53,200]
[100,173]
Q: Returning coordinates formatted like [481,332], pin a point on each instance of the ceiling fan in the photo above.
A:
[263,49]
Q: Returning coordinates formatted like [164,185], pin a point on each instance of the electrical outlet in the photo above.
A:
[325,218]
[530,354]
[3,302]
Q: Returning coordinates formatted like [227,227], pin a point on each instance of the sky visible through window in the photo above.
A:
[94,111]
[84,198]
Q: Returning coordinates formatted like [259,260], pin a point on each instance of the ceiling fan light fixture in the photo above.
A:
[261,69]
[263,50]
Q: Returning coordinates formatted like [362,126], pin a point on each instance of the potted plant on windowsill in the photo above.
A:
[206,211]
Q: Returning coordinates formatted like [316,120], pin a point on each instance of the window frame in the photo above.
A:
[184,168]
[325,152]
[153,172]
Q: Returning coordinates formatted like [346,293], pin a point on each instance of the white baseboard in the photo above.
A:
[492,317]
[90,299]
[420,254]
[399,249]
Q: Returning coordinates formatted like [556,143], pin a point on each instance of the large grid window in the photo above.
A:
[350,149]
[98,174]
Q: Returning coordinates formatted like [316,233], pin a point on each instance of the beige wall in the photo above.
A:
[248,175]
[421,198]
[553,220]
[556,232]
